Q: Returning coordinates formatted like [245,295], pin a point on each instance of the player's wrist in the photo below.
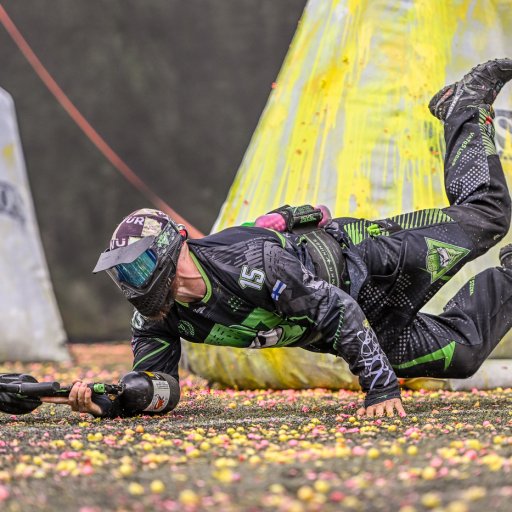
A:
[379,395]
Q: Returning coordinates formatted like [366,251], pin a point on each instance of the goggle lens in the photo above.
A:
[139,272]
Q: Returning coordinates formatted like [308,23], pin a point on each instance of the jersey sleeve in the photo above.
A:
[154,346]
[327,310]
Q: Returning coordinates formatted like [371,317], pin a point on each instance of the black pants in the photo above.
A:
[408,258]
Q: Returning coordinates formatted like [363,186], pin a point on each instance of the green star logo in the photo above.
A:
[441,257]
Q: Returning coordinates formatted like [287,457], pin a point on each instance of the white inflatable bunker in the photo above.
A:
[30,323]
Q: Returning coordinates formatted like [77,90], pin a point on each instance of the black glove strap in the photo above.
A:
[300,219]
[109,408]
[377,396]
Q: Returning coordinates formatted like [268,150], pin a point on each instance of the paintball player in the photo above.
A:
[344,286]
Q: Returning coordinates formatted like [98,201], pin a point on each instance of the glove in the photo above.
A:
[109,408]
[12,403]
[298,219]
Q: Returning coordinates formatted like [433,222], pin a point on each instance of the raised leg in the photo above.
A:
[407,266]
[409,257]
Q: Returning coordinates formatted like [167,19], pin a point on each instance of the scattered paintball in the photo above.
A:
[302,347]
[257,450]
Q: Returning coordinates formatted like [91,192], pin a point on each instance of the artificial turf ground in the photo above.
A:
[256,451]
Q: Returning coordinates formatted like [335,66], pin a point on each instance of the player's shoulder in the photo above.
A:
[146,327]
[241,235]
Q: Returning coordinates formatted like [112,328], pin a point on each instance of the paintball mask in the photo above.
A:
[143,265]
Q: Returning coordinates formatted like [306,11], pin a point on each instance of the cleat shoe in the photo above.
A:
[506,256]
[480,86]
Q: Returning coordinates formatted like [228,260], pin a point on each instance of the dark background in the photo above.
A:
[176,87]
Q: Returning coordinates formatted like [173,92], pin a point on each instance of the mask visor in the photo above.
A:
[137,273]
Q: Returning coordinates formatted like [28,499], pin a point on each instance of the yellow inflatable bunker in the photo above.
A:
[347,125]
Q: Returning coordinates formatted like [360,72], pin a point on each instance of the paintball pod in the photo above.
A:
[138,392]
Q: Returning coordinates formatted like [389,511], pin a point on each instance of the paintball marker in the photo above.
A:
[138,392]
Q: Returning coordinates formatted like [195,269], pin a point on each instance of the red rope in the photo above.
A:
[85,126]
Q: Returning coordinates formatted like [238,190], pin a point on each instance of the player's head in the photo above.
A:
[142,259]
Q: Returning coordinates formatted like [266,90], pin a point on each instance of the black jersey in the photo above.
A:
[261,293]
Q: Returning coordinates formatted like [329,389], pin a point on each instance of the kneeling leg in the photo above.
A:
[457,342]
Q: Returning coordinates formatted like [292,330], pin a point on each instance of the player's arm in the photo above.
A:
[151,353]
[335,315]
[153,350]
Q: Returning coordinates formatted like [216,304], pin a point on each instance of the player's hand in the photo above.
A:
[386,408]
[79,399]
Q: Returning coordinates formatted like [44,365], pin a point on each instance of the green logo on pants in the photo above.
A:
[441,257]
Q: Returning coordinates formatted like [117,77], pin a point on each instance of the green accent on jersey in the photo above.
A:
[445,353]
[186,329]
[441,257]
[282,239]
[261,319]
[291,334]
[165,345]
[356,231]
[248,224]
[234,303]
[242,336]
[231,336]
[208,293]
[303,317]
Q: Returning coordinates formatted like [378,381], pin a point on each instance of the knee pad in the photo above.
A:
[465,363]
